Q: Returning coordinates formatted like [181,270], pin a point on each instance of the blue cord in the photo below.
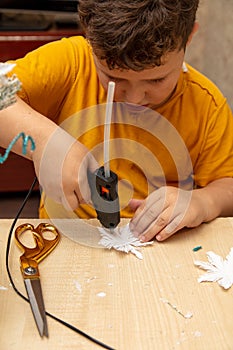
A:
[25,138]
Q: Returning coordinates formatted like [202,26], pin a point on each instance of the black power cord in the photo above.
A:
[26,299]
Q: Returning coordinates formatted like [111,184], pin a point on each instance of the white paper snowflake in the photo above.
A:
[218,270]
[122,239]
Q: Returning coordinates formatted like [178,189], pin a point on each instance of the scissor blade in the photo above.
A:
[34,292]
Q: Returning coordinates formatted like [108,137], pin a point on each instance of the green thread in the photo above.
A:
[26,140]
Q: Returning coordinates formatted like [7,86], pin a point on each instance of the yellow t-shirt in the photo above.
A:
[187,142]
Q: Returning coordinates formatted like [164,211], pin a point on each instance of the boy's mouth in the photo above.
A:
[136,108]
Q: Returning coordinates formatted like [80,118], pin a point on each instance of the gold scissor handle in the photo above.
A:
[43,246]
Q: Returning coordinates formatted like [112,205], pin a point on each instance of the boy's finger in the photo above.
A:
[135,203]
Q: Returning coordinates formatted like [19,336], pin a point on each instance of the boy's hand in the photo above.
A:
[62,166]
[61,162]
[165,211]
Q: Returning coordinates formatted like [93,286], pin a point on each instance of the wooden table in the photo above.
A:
[127,303]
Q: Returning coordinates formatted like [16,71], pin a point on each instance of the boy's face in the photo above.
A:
[150,87]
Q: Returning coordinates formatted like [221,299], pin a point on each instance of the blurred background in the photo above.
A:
[211,48]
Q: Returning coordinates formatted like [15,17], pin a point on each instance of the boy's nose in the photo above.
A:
[135,96]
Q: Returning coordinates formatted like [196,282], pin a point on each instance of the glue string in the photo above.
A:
[64,323]
[107,126]
[26,140]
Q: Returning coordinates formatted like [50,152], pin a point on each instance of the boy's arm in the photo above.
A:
[60,161]
[169,209]
[20,117]
[219,197]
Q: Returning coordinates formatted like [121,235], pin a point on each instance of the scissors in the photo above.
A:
[29,267]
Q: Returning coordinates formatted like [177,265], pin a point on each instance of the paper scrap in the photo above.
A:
[122,239]
[218,270]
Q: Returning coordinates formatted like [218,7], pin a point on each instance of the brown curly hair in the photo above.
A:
[136,34]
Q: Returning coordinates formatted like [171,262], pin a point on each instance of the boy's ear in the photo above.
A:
[195,29]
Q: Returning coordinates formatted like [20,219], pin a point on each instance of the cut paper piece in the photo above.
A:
[218,270]
[122,239]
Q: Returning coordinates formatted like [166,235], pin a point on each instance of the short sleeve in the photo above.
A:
[215,160]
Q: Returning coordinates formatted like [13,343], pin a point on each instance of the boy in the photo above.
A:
[139,44]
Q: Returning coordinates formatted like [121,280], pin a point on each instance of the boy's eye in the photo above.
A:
[151,81]
[157,81]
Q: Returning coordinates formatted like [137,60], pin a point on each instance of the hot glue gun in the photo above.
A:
[105,197]
[103,182]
